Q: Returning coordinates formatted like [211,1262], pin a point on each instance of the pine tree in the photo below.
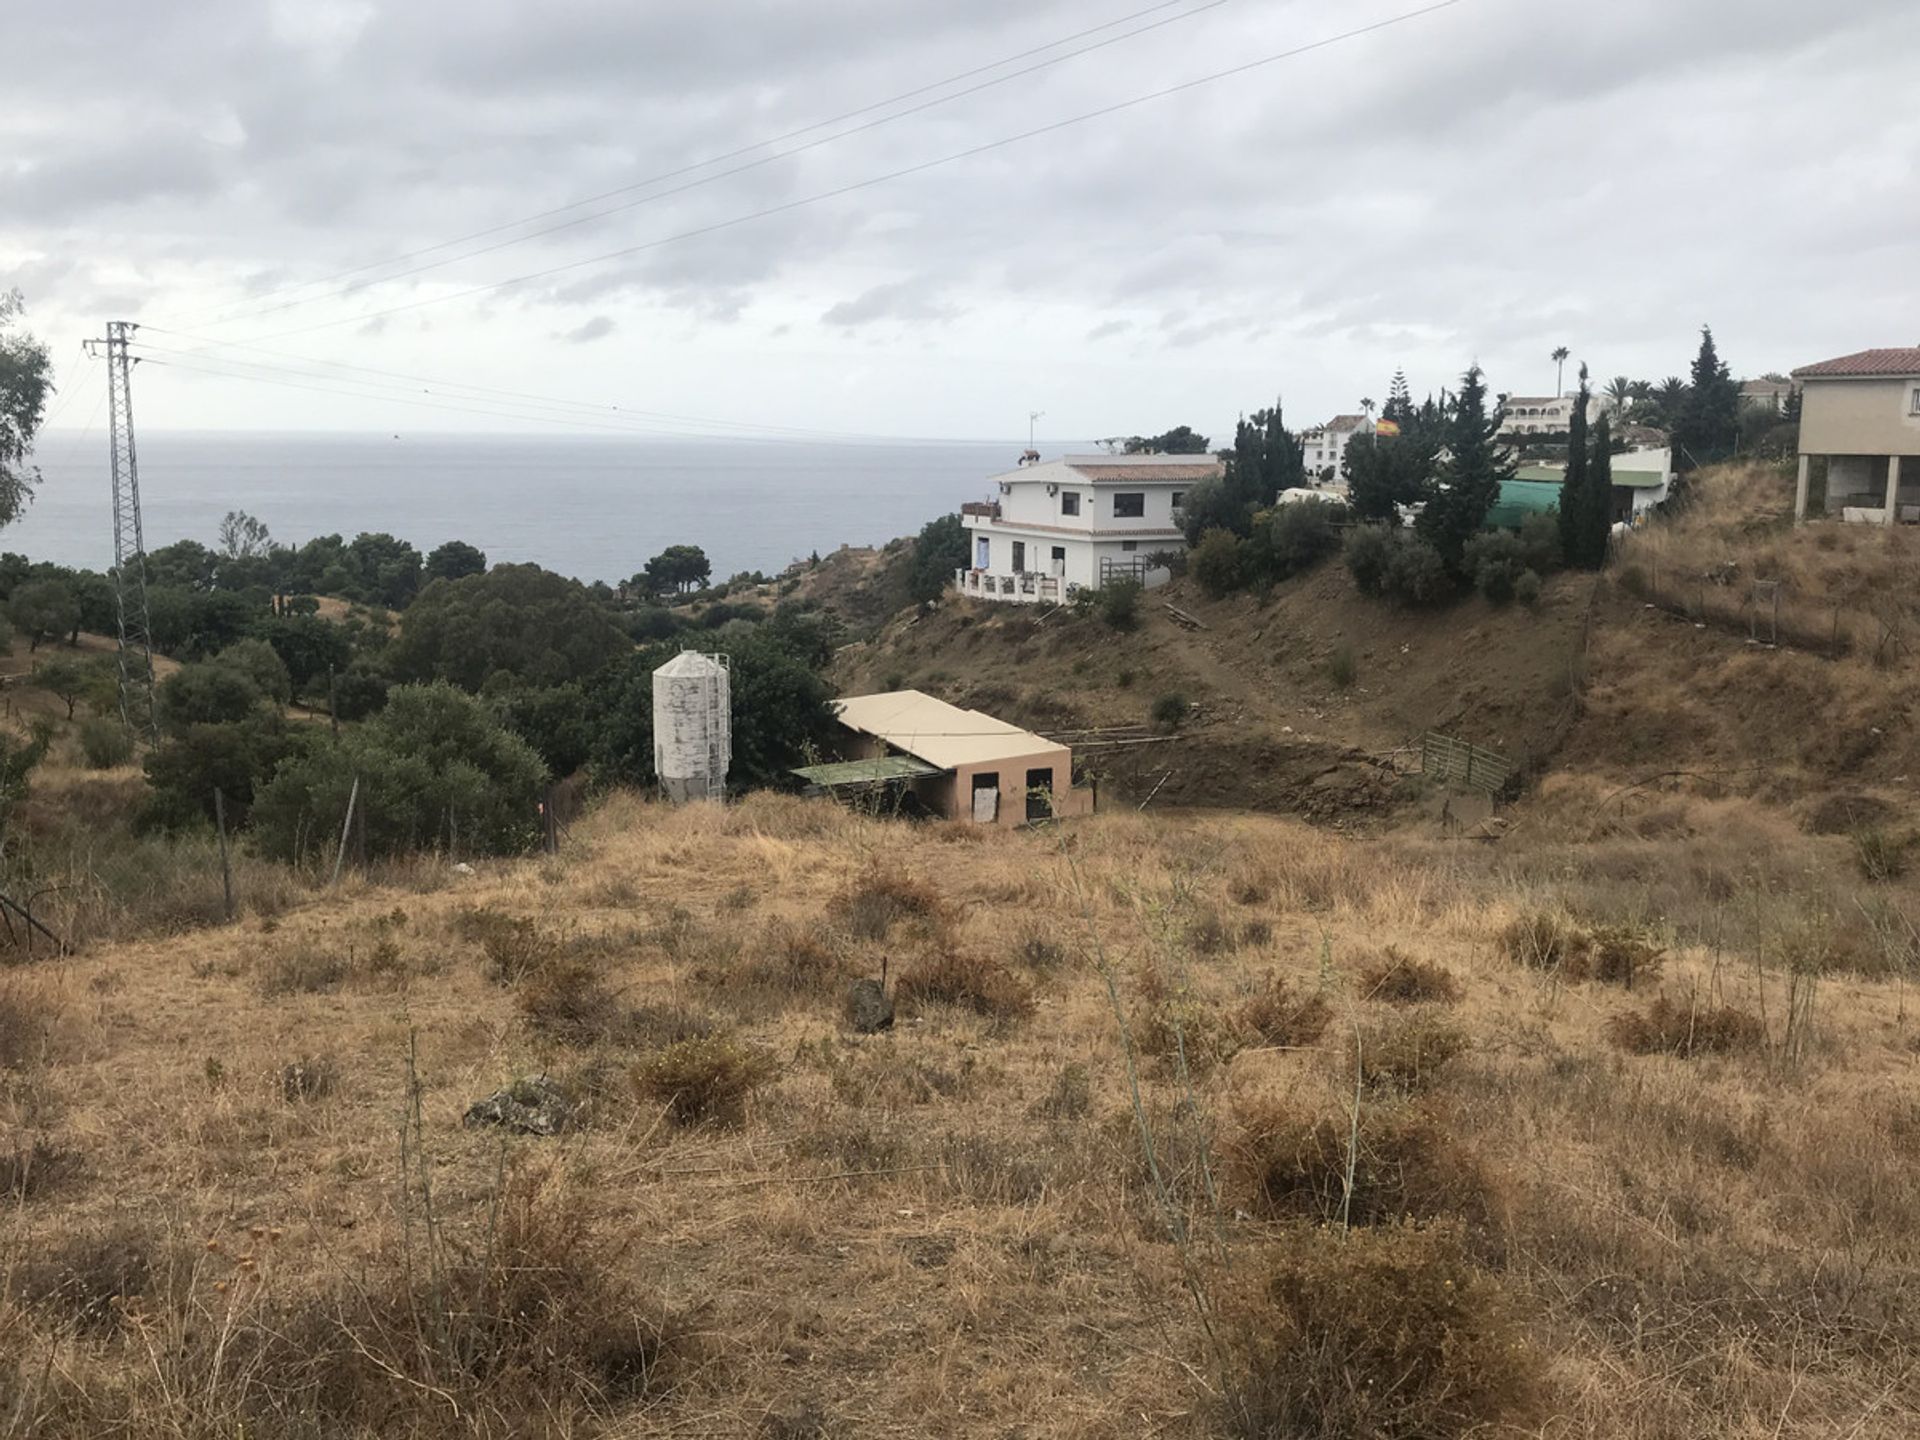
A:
[1709,421]
[1399,407]
[1469,481]
[1574,496]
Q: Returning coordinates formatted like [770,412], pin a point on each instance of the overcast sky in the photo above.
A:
[1481,183]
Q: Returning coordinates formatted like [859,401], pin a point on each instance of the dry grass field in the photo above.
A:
[1188,1125]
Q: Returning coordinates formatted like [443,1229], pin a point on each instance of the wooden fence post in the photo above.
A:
[346,828]
[226,863]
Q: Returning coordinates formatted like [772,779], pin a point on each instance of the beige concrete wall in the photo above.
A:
[1013,787]
[1859,417]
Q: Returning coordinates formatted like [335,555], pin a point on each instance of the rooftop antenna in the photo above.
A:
[1033,418]
[129,544]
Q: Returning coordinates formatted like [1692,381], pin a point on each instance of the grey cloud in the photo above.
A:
[899,300]
[598,328]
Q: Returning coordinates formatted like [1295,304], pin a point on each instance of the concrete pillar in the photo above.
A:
[1800,491]
[1893,488]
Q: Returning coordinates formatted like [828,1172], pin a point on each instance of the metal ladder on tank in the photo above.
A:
[719,728]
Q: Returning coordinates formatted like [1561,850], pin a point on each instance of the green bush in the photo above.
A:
[260,663]
[1527,589]
[1118,603]
[434,767]
[1170,710]
[207,694]
[1300,535]
[1369,554]
[1340,666]
[104,743]
[1540,543]
[1496,562]
[1219,563]
[1416,573]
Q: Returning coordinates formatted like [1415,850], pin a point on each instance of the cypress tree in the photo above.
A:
[1573,488]
[1599,505]
[1469,481]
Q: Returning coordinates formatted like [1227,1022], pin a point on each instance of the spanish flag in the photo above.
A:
[1388,428]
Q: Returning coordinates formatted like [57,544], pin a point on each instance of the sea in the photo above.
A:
[592,507]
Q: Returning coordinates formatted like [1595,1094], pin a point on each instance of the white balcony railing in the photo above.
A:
[1024,589]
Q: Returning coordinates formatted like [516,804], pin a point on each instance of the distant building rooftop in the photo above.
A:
[1123,468]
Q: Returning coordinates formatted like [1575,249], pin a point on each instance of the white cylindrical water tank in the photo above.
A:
[692,727]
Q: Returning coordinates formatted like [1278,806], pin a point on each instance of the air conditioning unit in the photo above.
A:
[1053,489]
[1005,488]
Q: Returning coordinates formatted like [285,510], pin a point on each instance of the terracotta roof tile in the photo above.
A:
[1866,362]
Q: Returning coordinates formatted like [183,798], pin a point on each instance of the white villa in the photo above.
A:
[1323,448]
[1073,523]
[1545,414]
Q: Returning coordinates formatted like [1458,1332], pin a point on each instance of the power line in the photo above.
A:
[848,189]
[248,314]
[797,432]
[527,412]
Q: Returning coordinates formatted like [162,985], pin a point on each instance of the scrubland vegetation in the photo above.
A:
[1207,1126]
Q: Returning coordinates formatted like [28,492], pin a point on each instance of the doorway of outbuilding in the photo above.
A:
[1040,794]
[986,798]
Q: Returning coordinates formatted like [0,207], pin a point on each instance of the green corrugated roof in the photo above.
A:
[867,772]
[1519,499]
[1630,479]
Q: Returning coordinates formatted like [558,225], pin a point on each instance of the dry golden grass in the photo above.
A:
[953,1228]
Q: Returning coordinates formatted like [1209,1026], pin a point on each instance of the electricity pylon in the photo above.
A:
[129,544]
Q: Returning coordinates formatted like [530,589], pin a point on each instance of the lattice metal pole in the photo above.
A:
[129,542]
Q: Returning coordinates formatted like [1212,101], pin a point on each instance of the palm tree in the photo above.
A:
[1366,404]
[1619,393]
[1559,358]
[1668,397]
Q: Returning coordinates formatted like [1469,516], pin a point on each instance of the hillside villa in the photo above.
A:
[1860,415]
[1323,449]
[1076,522]
[953,763]
[1543,415]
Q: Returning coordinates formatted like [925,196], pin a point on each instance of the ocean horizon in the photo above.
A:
[592,507]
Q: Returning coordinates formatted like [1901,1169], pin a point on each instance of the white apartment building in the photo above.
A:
[1068,524]
[1545,415]
[1323,449]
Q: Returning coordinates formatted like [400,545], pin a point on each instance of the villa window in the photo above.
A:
[1069,502]
[1129,544]
[1130,505]
[1916,400]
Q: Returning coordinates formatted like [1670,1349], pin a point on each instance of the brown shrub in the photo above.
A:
[26,1027]
[706,1079]
[1541,940]
[1664,1028]
[1069,1098]
[306,968]
[1621,955]
[883,900]
[977,983]
[1175,1025]
[1408,1053]
[792,961]
[514,946]
[1276,1014]
[1208,934]
[1390,1334]
[83,1281]
[566,1000]
[1400,980]
[312,1077]
[31,1165]
[1291,1163]
[1249,886]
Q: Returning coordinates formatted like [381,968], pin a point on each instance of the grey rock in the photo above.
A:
[532,1106]
[868,1008]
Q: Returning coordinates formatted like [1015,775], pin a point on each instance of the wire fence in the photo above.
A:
[1766,611]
